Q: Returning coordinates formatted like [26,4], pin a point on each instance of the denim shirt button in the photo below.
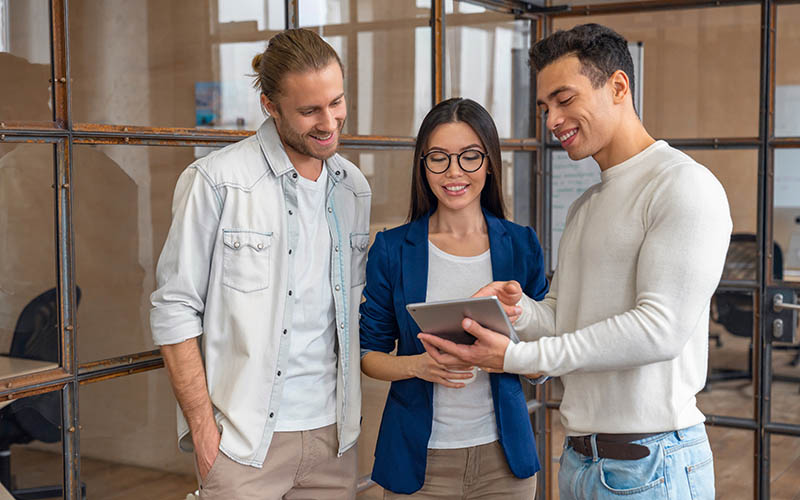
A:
[341,325]
[337,288]
[330,210]
[336,248]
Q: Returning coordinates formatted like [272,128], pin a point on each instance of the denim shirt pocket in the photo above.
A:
[246,260]
[359,243]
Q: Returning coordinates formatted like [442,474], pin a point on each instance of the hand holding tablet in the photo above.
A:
[443,318]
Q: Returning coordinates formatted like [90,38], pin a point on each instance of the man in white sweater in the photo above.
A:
[625,324]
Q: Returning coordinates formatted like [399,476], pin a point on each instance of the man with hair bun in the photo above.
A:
[625,323]
[266,259]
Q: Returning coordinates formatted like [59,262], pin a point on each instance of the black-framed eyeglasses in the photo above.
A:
[438,161]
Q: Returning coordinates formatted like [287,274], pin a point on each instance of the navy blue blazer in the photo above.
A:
[397,274]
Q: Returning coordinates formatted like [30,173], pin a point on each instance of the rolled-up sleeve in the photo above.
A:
[183,269]
[378,323]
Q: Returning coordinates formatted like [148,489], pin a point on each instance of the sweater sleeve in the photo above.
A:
[538,319]
[688,229]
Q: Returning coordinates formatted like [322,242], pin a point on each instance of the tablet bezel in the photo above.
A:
[443,318]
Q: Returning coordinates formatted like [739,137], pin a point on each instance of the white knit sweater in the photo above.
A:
[625,324]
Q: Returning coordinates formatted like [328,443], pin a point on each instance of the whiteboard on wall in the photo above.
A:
[569,179]
[786,187]
[787,110]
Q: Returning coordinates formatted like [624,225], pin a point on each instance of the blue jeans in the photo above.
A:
[680,467]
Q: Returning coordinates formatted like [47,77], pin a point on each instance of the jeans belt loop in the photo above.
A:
[593,442]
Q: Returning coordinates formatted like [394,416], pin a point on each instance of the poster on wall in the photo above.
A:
[569,179]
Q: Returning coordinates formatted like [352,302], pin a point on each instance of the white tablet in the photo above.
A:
[443,318]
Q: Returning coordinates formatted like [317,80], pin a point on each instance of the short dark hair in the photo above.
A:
[601,51]
[473,114]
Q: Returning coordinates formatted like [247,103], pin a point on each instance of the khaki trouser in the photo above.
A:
[300,466]
[478,472]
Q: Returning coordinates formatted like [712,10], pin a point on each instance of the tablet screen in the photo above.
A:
[443,318]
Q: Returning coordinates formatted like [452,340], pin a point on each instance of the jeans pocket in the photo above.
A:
[701,479]
[643,478]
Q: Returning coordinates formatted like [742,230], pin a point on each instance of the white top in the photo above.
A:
[461,417]
[625,323]
[309,390]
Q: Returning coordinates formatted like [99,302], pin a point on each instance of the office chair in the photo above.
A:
[35,417]
[734,310]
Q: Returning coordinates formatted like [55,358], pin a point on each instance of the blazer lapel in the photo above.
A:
[500,247]
[415,269]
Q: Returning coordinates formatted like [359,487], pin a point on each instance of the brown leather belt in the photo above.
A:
[615,446]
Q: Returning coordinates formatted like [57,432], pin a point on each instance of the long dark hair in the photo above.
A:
[473,114]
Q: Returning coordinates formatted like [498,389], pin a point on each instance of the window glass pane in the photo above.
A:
[387,64]
[701,68]
[487,61]
[373,399]
[784,467]
[786,211]
[737,171]
[787,72]
[29,334]
[785,382]
[556,437]
[129,440]
[508,158]
[25,93]
[122,212]
[733,451]
[177,64]
[729,382]
[389,176]
[459,7]
[31,428]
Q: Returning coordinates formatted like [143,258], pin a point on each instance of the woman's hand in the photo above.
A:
[424,367]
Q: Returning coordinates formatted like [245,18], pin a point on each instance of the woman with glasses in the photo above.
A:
[449,431]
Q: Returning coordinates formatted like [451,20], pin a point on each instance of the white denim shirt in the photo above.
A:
[227,270]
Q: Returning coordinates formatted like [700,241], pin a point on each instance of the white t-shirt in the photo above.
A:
[625,323]
[309,390]
[461,417]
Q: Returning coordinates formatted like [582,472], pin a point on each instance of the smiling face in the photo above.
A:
[310,111]
[583,118]
[456,189]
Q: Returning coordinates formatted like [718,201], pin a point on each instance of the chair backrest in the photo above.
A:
[36,337]
[735,309]
[741,263]
[36,331]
